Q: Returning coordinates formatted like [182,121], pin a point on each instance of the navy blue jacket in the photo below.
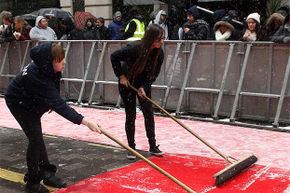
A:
[123,60]
[36,87]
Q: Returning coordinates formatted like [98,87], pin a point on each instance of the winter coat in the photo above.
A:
[128,56]
[116,30]
[270,28]
[199,30]
[36,88]
[228,35]
[282,35]
[37,33]
[103,33]
[7,35]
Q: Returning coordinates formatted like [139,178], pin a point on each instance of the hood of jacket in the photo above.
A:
[38,20]
[158,15]
[275,16]
[42,57]
[223,23]
[194,12]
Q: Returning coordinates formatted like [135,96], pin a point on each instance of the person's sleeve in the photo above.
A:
[62,108]
[49,94]
[278,36]
[120,55]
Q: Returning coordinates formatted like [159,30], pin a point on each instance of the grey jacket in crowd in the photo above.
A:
[37,33]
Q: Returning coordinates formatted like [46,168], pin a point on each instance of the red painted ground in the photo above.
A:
[196,172]
[195,169]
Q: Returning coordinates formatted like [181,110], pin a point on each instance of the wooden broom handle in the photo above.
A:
[184,126]
[185,187]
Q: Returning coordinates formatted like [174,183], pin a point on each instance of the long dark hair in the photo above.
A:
[153,32]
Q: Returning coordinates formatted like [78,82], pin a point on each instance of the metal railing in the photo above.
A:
[236,80]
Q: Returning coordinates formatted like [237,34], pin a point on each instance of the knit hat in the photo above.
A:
[254,16]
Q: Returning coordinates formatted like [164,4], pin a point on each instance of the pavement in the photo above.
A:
[90,162]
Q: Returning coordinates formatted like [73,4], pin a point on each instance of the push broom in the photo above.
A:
[235,166]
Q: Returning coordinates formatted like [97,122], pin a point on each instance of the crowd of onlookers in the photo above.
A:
[223,25]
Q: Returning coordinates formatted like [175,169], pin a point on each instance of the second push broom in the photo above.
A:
[235,167]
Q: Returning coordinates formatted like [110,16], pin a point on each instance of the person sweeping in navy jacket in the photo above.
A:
[34,91]
[139,63]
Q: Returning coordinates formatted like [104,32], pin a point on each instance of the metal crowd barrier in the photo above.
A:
[234,80]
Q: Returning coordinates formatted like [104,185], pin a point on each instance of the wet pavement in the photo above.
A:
[76,160]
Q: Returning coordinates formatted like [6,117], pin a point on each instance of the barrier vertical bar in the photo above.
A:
[282,95]
[118,105]
[269,80]
[25,55]
[66,69]
[86,72]
[5,57]
[225,75]
[19,53]
[171,74]
[193,46]
[240,84]
[213,74]
[98,72]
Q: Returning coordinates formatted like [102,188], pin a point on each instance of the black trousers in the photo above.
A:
[36,155]
[129,99]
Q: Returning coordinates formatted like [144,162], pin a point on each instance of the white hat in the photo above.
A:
[254,16]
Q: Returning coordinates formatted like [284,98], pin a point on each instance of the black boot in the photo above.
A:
[33,184]
[49,177]
[35,188]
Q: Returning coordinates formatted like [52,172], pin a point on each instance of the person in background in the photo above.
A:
[34,91]
[272,25]
[7,35]
[67,26]
[135,29]
[22,29]
[53,23]
[282,35]
[41,30]
[2,26]
[102,29]
[90,32]
[160,19]
[223,30]
[139,64]
[252,32]
[195,28]
[116,27]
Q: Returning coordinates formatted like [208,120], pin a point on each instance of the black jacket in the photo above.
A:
[198,30]
[36,88]
[7,35]
[123,60]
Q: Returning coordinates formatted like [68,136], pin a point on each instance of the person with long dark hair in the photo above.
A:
[139,64]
